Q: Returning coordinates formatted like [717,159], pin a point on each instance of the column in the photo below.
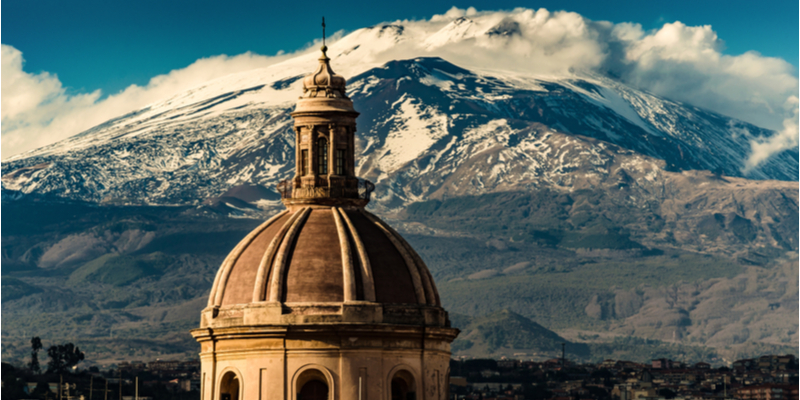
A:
[312,152]
[332,150]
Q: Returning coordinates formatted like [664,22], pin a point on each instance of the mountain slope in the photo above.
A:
[506,332]
[576,201]
[423,121]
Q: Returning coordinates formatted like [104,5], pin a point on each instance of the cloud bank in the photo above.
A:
[37,111]
[676,61]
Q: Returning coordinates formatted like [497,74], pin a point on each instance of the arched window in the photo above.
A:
[303,162]
[340,162]
[312,384]
[322,160]
[403,386]
[229,387]
[313,390]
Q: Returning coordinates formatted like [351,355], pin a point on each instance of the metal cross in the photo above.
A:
[323,31]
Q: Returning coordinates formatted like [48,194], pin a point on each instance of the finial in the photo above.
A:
[324,48]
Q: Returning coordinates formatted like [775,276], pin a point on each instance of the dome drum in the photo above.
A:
[360,312]
[313,109]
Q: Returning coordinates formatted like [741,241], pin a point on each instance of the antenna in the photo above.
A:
[323,31]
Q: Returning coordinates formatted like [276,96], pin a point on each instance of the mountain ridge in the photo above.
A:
[514,188]
[446,113]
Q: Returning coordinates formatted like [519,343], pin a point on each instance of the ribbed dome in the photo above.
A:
[323,255]
[324,82]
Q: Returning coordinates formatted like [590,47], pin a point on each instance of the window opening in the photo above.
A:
[322,147]
[402,386]
[313,390]
[339,162]
[304,163]
[230,387]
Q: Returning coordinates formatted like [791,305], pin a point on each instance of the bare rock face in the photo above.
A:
[74,249]
[594,309]
[83,247]
[750,307]
[628,303]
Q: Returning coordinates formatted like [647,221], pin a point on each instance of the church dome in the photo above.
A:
[323,255]
[325,259]
[324,301]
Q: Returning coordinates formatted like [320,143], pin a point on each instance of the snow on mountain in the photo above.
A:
[427,128]
[461,28]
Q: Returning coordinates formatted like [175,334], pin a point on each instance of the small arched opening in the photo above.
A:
[230,387]
[322,154]
[312,385]
[403,386]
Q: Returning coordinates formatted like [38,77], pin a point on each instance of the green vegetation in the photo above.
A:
[543,255]
[556,296]
[496,211]
[506,330]
[196,243]
[641,350]
[582,219]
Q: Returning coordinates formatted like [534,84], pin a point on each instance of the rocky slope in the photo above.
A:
[576,201]
[427,126]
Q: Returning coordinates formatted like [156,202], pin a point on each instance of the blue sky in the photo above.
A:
[70,65]
[110,45]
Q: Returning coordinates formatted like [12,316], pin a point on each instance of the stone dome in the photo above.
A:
[323,255]
[324,82]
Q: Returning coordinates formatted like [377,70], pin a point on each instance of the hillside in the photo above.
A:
[589,210]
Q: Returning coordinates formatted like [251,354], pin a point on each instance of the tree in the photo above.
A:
[63,357]
[42,391]
[666,393]
[36,345]
[13,386]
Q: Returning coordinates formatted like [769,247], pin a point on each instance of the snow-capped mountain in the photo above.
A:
[427,128]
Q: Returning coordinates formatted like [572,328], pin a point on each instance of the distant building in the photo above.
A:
[507,364]
[160,365]
[661,363]
[767,391]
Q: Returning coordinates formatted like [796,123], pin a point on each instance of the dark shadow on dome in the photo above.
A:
[393,283]
[239,288]
[314,272]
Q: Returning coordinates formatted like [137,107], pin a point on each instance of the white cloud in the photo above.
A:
[686,64]
[680,62]
[31,102]
[784,139]
[676,61]
[36,110]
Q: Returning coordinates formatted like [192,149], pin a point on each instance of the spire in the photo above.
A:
[325,125]
[324,82]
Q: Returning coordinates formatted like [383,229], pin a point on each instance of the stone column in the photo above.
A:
[332,149]
[312,153]
[298,133]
